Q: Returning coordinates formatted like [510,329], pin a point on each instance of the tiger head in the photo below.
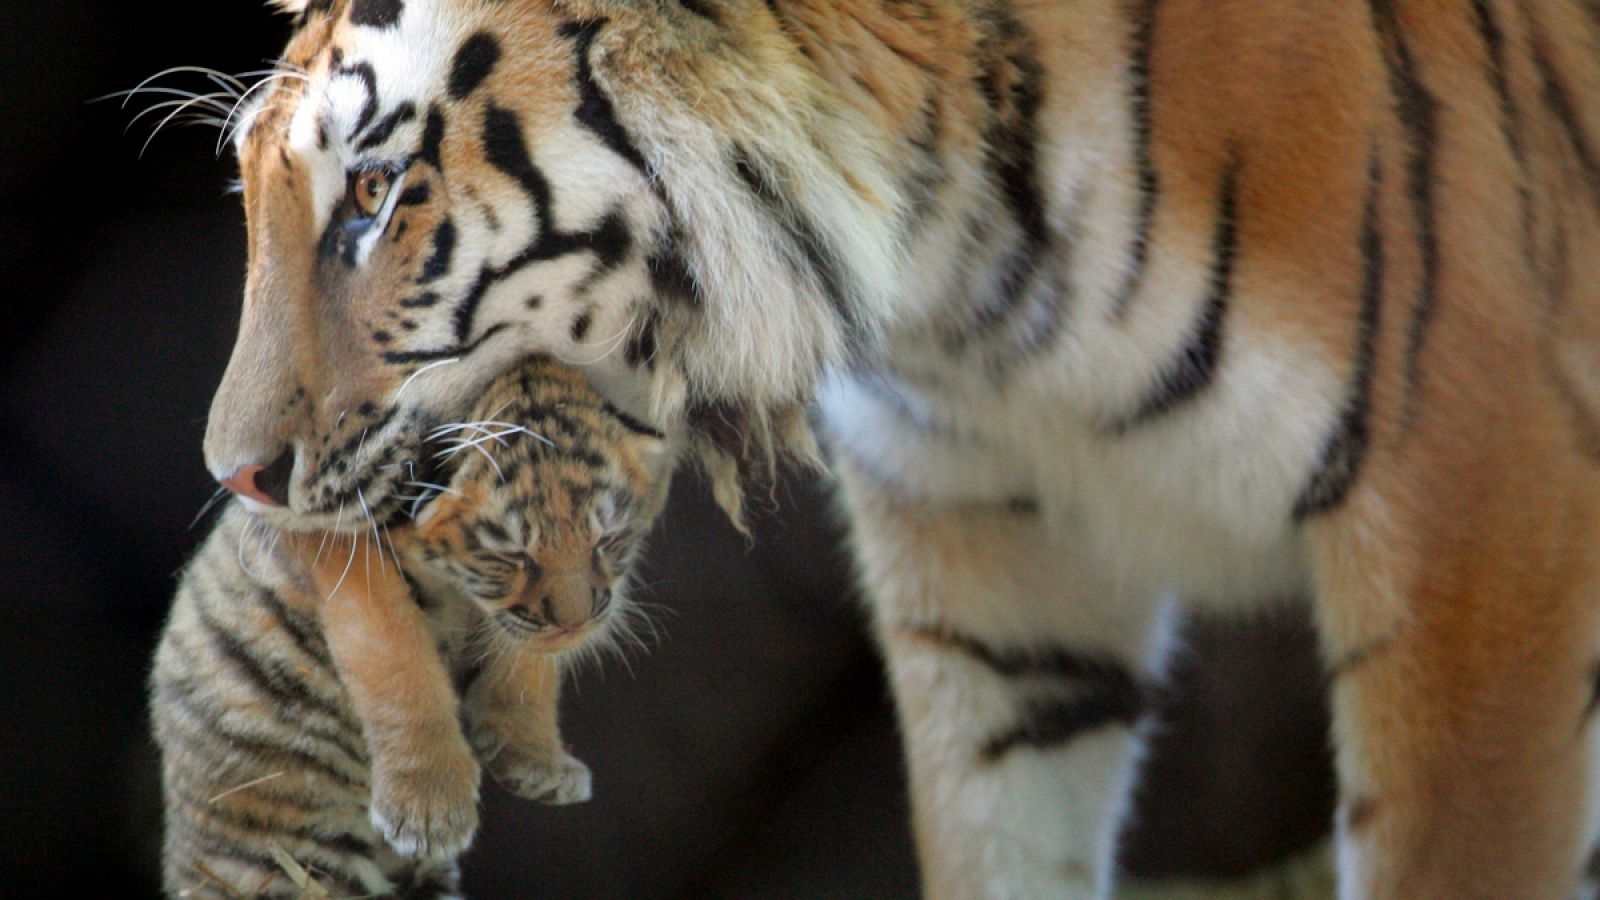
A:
[551,492]
[435,189]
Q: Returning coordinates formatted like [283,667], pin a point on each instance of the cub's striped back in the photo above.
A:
[304,693]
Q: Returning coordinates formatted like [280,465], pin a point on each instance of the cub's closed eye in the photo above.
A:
[369,188]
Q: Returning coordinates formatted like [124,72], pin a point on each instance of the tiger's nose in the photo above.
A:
[267,485]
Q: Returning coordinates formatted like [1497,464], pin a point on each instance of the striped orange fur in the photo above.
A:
[305,693]
[1104,303]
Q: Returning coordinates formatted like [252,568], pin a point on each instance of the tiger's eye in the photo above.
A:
[372,186]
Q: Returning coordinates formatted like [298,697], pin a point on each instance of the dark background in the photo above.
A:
[752,753]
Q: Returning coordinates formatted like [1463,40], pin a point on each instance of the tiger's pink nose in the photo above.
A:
[267,485]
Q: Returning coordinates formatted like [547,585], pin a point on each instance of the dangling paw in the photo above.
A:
[541,771]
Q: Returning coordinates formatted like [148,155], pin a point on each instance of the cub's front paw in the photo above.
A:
[426,811]
[556,779]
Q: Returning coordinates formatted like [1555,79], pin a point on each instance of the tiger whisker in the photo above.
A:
[389,538]
[238,85]
[367,511]
[210,99]
[235,121]
[447,454]
[459,444]
[337,518]
[216,498]
[430,366]
[508,428]
[348,563]
[182,106]
[431,486]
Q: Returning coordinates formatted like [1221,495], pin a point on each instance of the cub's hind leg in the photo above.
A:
[1461,633]
[1021,681]
[512,724]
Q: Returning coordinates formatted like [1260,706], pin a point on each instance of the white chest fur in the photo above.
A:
[1197,501]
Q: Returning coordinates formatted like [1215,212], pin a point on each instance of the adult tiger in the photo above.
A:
[1110,301]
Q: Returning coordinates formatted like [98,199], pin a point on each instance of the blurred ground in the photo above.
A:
[751,754]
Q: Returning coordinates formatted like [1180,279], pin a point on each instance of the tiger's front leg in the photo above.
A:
[1462,630]
[1022,681]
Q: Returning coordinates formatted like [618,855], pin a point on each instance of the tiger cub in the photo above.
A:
[305,690]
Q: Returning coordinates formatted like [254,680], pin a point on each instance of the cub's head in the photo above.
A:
[435,189]
[552,492]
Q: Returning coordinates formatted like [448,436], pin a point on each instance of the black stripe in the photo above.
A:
[432,139]
[700,8]
[925,171]
[474,60]
[263,755]
[376,13]
[506,149]
[1346,447]
[1418,114]
[1086,691]
[369,82]
[415,195]
[820,258]
[288,695]
[1510,125]
[1196,364]
[1558,100]
[670,276]
[580,325]
[1147,183]
[1028,662]
[1011,155]
[640,350]
[300,628]
[444,248]
[339,843]
[438,353]
[630,423]
[405,112]
[215,849]
[1046,723]
[595,111]
[1036,327]
[353,443]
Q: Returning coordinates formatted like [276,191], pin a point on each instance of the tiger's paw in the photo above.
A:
[556,779]
[427,811]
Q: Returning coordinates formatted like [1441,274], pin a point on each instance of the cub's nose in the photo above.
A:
[267,485]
